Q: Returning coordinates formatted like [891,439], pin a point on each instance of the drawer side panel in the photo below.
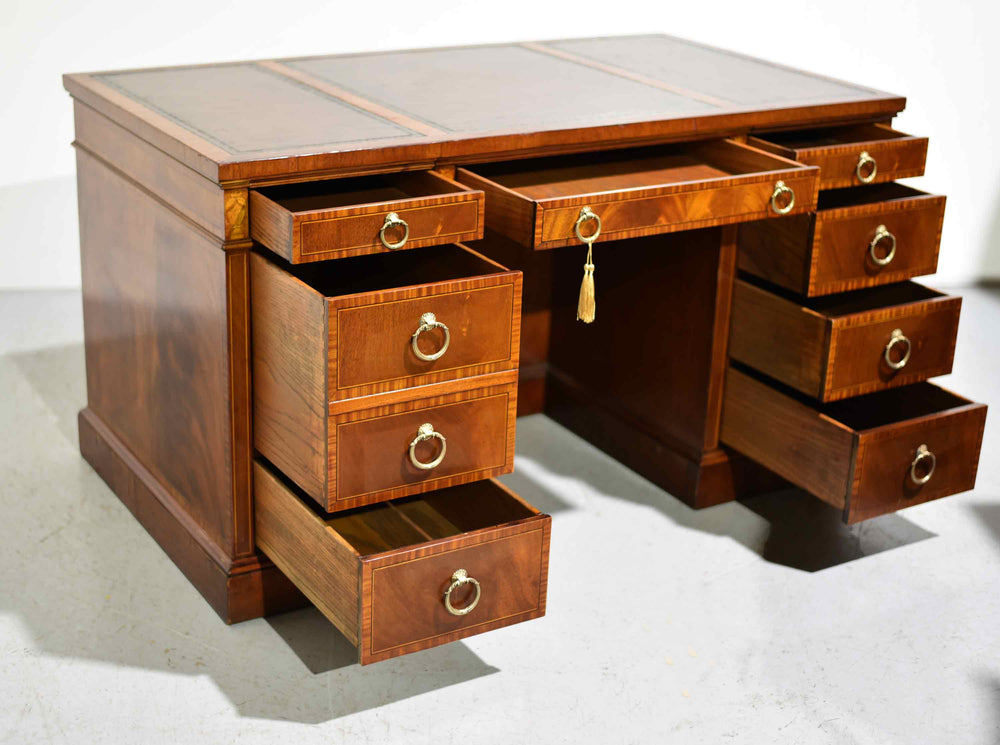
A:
[320,564]
[788,437]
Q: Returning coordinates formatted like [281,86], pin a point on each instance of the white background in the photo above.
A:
[943,56]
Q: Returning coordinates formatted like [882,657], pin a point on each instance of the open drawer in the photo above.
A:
[860,237]
[351,361]
[868,455]
[850,155]
[403,576]
[643,191]
[844,345]
[320,220]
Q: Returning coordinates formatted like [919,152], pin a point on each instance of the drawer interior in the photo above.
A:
[832,136]
[594,173]
[856,453]
[388,526]
[325,195]
[893,406]
[381,574]
[868,299]
[855,196]
[377,272]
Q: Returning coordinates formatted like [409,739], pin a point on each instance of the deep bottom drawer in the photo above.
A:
[869,455]
[385,575]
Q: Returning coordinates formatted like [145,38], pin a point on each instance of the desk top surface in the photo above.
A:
[273,119]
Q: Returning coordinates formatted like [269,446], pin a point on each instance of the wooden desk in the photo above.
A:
[318,291]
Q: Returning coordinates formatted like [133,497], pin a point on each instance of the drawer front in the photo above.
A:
[838,166]
[402,594]
[473,330]
[885,458]
[630,216]
[370,455]
[320,220]
[853,155]
[381,574]
[922,334]
[844,352]
[842,244]
[351,235]
[638,192]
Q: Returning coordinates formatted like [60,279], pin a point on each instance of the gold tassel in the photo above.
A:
[586,308]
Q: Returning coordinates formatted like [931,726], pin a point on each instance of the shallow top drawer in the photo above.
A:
[852,155]
[541,202]
[349,217]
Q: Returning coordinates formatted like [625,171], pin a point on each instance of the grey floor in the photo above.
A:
[763,622]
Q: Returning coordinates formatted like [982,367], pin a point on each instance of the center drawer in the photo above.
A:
[540,202]
[869,455]
[352,360]
[415,573]
[843,345]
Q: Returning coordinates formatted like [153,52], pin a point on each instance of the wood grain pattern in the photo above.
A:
[320,563]
[320,358]
[831,254]
[954,435]
[638,193]
[156,336]
[237,590]
[837,151]
[788,437]
[779,337]
[240,399]
[856,453]
[834,348]
[379,573]
[663,305]
[323,220]
[180,187]
[368,450]
[289,374]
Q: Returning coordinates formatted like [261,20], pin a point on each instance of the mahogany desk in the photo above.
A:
[318,291]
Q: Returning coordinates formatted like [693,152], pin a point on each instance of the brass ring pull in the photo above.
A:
[779,189]
[459,578]
[865,160]
[923,454]
[587,214]
[429,321]
[895,338]
[392,220]
[426,432]
[882,234]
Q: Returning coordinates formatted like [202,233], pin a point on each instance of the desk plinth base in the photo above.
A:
[237,590]
[718,475]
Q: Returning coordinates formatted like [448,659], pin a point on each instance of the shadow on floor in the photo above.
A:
[989,513]
[87,582]
[789,527]
[809,534]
